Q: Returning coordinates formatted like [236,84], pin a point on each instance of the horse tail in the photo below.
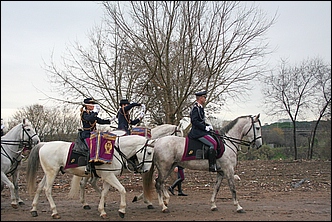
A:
[74,186]
[32,168]
[148,183]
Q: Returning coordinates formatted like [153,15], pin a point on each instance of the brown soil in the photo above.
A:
[266,192]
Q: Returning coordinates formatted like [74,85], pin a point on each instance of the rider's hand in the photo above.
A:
[208,128]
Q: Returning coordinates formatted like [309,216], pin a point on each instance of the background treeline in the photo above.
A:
[278,142]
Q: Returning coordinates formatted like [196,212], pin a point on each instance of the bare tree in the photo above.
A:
[321,103]
[50,123]
[161,52]
[291,91]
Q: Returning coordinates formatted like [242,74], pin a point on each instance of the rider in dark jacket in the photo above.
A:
[124,117]
[200,129]
[89,118]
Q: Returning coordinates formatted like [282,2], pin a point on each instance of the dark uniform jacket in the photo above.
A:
[89,120]
[124,117]
[197,117]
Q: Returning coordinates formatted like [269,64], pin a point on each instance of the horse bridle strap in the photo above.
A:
[123,156]
[236,141]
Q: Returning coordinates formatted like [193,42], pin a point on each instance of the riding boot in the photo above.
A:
[212,160]
[171,188]
[180,193]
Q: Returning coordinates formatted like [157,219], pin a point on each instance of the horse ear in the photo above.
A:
[24,121]
[258,115]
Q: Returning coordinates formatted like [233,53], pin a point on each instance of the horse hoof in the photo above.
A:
[241,211]
[56,216]
[214,209]
[34,213]
[86,207]
[14,206]
[166,211]
[121,214]
[135,199]
[104,216]
[150,206]
[21,203]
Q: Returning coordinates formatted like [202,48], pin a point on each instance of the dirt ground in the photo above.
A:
[267,191]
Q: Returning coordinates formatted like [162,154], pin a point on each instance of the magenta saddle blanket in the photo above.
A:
[195,150]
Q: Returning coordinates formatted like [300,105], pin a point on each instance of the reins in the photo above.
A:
[237,142]
[16,159]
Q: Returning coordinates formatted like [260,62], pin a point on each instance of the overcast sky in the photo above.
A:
[31,31]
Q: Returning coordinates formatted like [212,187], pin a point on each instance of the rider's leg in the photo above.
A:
[209,141]
[181,176]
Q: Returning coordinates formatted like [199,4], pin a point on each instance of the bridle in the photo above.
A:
[22,144]
[236,142]
[176,130]
[124,158]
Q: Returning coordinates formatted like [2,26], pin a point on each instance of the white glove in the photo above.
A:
[143,108]
[96,108]
[141,115]
[208,128]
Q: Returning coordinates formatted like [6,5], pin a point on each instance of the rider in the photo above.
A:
[124,121]
[200,129]
[124,117]
[89,117]
[178,182]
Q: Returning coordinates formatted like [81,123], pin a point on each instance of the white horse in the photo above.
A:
[156,132]
[53,155]
[13,143]
[170,150]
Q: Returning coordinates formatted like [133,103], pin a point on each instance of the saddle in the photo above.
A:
[196,150]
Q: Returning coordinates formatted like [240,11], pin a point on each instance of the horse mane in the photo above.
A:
[230,125]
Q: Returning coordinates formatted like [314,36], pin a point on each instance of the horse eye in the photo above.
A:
[28,129]
[257,128]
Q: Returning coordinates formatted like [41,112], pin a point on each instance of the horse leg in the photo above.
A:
[83,183]
[231,184]
[15,181]
[216,190]
[139,197]
[111,179]
[48,192]
[161,192]
[41,185]
[145,200]
[11,187]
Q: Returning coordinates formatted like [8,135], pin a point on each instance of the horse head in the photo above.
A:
[254,133]
[29,135]
[144,156]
